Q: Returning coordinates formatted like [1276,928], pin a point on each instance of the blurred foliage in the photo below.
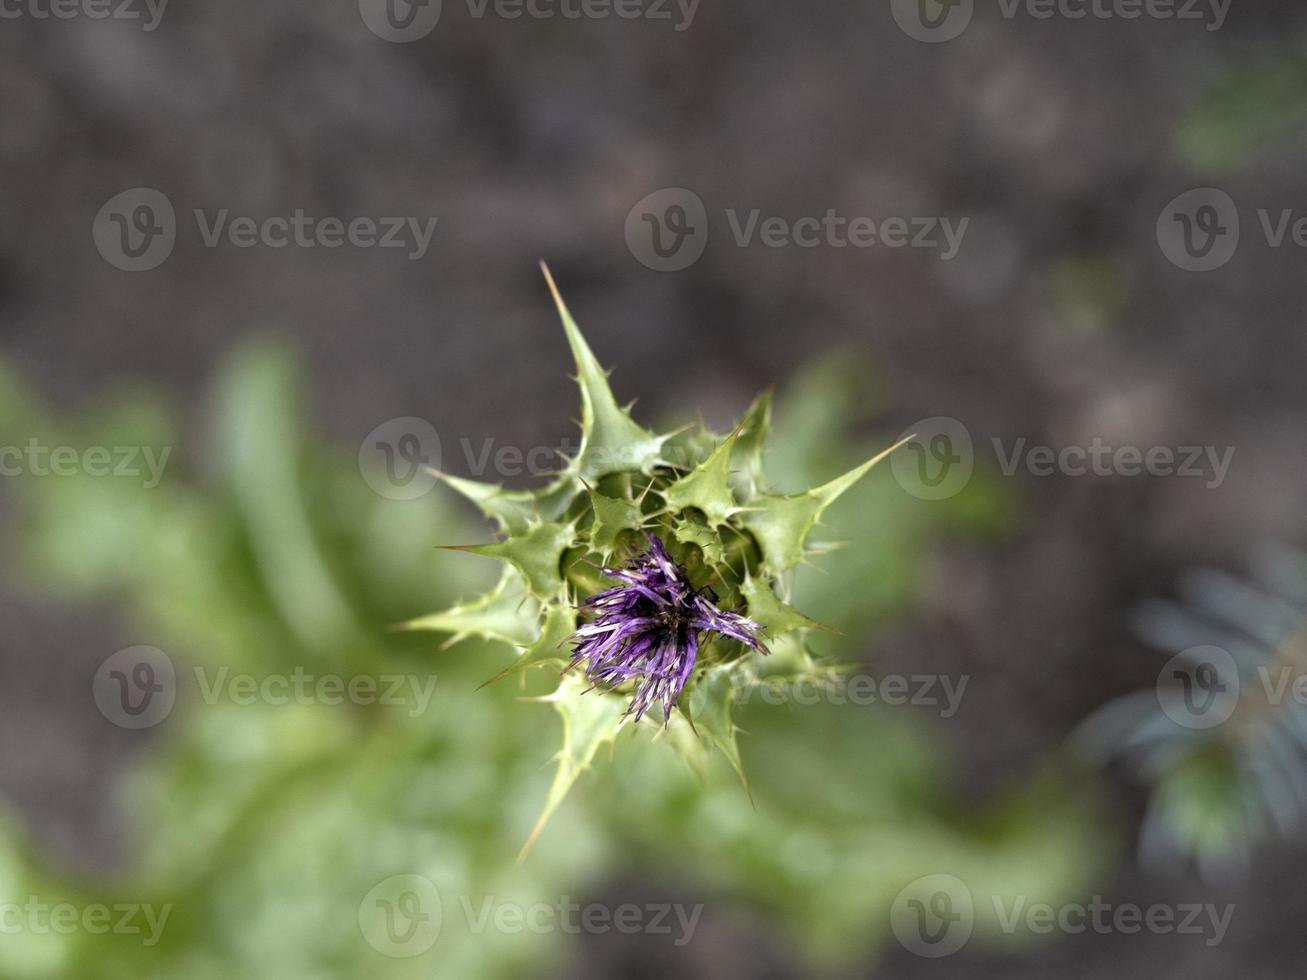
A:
[1222,741]
[264,827]
[1240,113]
[1089,292]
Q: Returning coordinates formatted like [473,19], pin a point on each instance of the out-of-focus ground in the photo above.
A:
[534,140]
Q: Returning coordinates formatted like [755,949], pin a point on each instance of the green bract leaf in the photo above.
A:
[547,650]
[707,487]
[537,554]
[506,614]
[766,608]
[689,446]
[750,444]
[708,708]
[553,500]
[611,441]
[703,537]
[612,516]
[513,510]
[589,722]
[781,525]
[791,660]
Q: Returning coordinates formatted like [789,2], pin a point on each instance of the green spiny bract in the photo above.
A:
[704,497]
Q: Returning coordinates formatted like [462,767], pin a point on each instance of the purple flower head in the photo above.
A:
[648,629]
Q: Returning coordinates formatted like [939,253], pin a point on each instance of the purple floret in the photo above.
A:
[648,630]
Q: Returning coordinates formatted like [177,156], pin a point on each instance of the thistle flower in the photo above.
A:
[661,635]
[648,630]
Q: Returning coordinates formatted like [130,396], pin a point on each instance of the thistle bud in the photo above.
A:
[662,560]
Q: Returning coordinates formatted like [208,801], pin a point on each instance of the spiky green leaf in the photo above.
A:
[707,487]
[611,441]
[708,541]
[790,660]
[590,721]
[781,524]
[513,510]
[766,608]
[612,516]
[689,446]
[537,554]
[708,706]
[747,454]
[548,649]
[505,614]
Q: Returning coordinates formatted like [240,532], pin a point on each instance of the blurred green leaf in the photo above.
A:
[1239,114]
